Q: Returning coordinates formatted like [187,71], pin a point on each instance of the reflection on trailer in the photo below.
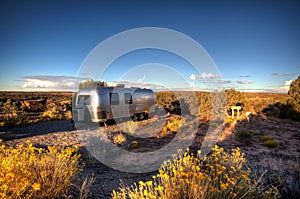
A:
[99,104]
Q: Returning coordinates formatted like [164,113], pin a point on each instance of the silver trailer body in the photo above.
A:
[98,104]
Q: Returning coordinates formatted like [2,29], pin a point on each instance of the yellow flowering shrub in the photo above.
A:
[219,175]
[68,115]
[52,114]
[30,172]
[172,126]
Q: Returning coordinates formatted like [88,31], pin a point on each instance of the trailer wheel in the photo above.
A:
[141,116]
[134,117]
[147,115]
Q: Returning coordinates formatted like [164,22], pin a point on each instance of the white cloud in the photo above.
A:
[204,76]
[286,86]
[243,82]
[155,86]
[209,76]
[139,84]
[69,84]
[49,82]
[193,77]
[37,83]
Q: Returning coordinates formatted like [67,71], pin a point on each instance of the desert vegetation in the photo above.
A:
[244,137]
[23,108]
[172,102]
[59,104]
[269,141]
[31,172]
[218,175]
[91,82]
[291,109]
[38,170]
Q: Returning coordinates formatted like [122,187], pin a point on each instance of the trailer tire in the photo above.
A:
[134,117]
[141,116]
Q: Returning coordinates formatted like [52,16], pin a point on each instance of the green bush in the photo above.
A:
[91,82]
[234,97]
[9,107]
[294,94]
[244,137]
[13,120]
[291,109]
[269,142]
[265,138]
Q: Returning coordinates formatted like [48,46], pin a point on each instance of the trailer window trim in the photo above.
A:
[84,100]
[114,98]
[128,98]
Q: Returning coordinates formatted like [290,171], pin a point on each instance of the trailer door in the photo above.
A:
[128,107]
[83,103]
[114,99]
[119,103]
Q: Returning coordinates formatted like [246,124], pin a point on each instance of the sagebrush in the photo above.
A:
[30,172]
[219,175]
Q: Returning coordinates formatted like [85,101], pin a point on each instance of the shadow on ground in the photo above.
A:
[41,128]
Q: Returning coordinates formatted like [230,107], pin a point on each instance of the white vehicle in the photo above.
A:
[98,103]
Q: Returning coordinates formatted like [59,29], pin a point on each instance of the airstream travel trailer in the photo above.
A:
[98,103]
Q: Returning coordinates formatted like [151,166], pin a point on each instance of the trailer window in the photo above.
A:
[114,98]
[128,98]
[84,100]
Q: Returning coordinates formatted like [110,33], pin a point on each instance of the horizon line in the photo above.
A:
[159,90]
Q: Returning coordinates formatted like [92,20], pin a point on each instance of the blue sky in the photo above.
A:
[255,45]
